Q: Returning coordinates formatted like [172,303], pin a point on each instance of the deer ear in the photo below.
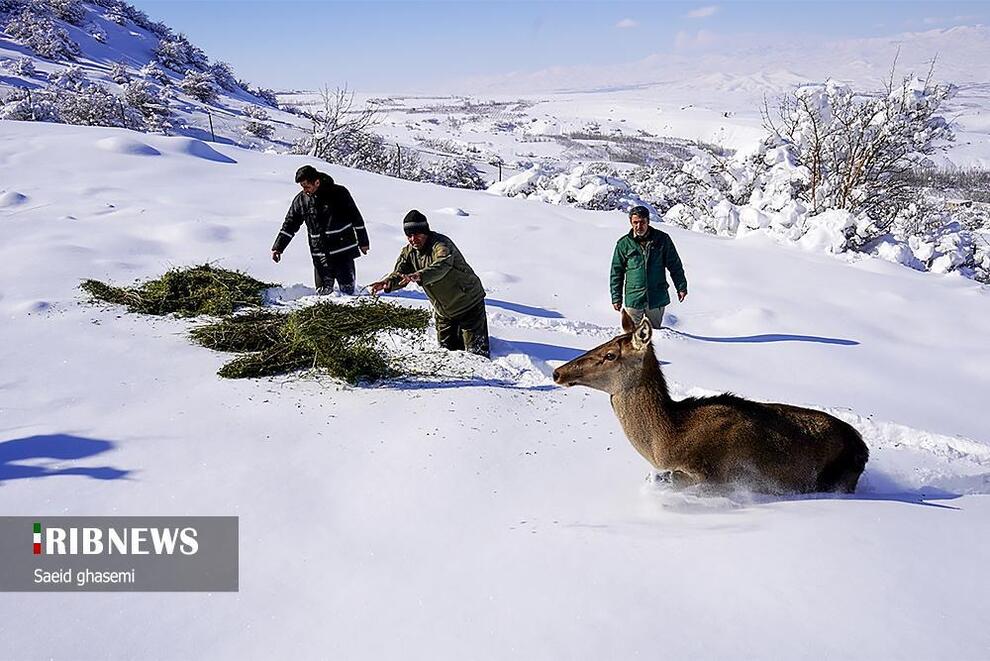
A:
[643,333]
[627,323]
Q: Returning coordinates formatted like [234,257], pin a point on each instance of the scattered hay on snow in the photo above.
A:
[187,292]
[340,339]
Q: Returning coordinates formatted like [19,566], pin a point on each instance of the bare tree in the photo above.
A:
[859,149]
[337,121]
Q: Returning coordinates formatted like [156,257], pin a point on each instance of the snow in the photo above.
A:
[478,511]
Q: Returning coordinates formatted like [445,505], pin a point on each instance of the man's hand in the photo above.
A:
[364,250]
[276,256]
[681,295]
[617,306]
[377,287]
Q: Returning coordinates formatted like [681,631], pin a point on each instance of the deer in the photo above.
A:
[717,442]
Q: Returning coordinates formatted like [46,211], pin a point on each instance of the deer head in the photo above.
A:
[613,366]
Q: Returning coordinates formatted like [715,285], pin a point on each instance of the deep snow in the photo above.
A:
[480,513]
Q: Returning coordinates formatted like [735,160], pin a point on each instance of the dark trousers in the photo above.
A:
[328,269]
[467,331]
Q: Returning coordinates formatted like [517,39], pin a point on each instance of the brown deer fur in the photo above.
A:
[721,440]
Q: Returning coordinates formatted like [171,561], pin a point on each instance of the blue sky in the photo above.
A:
[396,46]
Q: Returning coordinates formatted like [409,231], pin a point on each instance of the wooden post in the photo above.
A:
[208,114]
[500,172]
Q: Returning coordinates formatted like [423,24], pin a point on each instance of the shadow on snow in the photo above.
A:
[491,302]
[61,447]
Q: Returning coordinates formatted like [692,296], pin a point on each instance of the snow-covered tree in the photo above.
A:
[11,6]
[858,149]
[70,77]
[265,94]
[116,13]
[70,11]
[172,54]
[25,106]
[151,71]
[95,105]
[452,172]
[338,121]
[119,73]
[223,74]
[37,32]
[96,32]
[151,103]
[200,86]
[21,66]
[257,123]
[195,57]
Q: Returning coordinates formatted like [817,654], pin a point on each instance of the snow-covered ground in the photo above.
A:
[483,512]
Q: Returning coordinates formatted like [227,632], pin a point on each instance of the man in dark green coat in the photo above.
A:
[638,266]
[432,261]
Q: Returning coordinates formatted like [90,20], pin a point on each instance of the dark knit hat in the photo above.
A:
[415,222]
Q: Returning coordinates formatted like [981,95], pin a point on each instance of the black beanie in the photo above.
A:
[415,222]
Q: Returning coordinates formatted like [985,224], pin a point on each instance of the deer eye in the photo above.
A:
[610,356]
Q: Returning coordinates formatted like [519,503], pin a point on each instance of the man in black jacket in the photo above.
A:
[336,229]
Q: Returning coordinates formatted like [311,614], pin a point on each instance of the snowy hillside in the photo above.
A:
[106,63]
[480,512]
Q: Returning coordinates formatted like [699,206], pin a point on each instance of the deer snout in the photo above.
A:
[563,376]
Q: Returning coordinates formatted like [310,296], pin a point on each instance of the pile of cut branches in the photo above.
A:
[340,339]
[186,292]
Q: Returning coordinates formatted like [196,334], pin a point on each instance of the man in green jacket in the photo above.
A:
[638,265]
[432,261]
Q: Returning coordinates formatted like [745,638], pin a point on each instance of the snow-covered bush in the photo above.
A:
[96,32]
[172,54]
[70,77]
[340,129]
[367,151]
[27,107]
[70,11]
[178,54]
[37,32]
[11,6]
[116,14]
[200,86]
[652,184]
[151,71]
[195,56]
[266,95]
[593,186]
[153,106]
[119,73]
[860,149]
[94,105]
[257,123]
[21,66]
[223,74]
[451,172]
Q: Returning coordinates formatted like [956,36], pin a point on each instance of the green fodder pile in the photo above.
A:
[340,339]
[186,292]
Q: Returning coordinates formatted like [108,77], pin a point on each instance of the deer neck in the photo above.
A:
[643,410]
